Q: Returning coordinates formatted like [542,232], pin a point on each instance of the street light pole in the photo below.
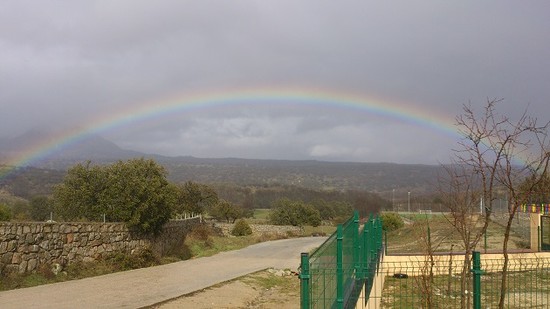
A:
[409,200]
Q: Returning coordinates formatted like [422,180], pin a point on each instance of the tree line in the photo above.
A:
[137,192]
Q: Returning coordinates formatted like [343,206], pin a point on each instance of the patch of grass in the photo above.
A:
[262,213]
[322,230]
[216,244]
[260,216]
[267,280]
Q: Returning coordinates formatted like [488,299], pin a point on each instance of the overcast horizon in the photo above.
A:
[69,65]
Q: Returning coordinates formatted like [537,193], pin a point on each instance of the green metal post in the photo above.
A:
[356,244]
[377,239]
[385,242]
[304,281]
[372,239]
[379,224]
[477,279]
[366,252]
[539,237]
[339,268]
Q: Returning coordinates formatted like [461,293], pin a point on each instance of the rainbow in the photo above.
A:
[187,103]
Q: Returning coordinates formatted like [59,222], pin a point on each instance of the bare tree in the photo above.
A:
[461,197]
[486,160]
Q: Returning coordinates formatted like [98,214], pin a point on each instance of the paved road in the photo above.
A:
[149,286]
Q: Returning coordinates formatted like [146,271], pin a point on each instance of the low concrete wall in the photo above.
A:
[27,246]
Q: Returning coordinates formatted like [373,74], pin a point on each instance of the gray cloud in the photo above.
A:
[67,63]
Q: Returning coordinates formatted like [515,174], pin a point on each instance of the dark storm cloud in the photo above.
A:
[66,63]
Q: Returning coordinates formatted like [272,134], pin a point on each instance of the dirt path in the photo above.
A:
[149,286]
[265,290]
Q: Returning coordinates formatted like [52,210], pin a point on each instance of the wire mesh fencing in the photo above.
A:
[334,275]
[449,282]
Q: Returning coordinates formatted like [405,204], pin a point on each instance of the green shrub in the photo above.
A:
[5,213]
[391,221]
[136,192]
[123,261]
[241,228]
[201,232]
[296,213]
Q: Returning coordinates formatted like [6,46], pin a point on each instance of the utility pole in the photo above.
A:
[409,200]
[392,199]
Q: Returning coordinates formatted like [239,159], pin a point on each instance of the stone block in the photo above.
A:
[16,258]
[32,264]
[6,258]
[22,267]
[45,244]
[29,239]
[100,249]
[71,256]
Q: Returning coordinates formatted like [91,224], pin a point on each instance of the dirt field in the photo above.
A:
[270,289]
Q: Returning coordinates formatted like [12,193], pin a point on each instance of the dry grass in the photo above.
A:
[443,236]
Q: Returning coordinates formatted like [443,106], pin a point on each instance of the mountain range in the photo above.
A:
[375,177]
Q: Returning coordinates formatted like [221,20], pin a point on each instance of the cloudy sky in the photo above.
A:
[73,64]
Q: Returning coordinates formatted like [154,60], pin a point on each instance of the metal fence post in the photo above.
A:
[539,239]
[385,241]
[366,249]
[356,244]
[304,281]
[477,279]
[377,238]
[339,268]
[380,236]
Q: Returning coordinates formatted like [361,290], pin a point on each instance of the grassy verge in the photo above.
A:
[216,244]
[110,264]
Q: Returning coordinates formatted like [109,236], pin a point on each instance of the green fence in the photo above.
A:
[334,275]
[442,282]
[347,271]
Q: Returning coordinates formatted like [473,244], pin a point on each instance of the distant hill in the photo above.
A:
[374,177]
[88,147]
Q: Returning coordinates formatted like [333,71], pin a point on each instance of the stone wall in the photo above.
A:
[262,229]
[26,246]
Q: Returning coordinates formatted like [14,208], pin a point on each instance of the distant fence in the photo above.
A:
[343,267]
[520,224]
